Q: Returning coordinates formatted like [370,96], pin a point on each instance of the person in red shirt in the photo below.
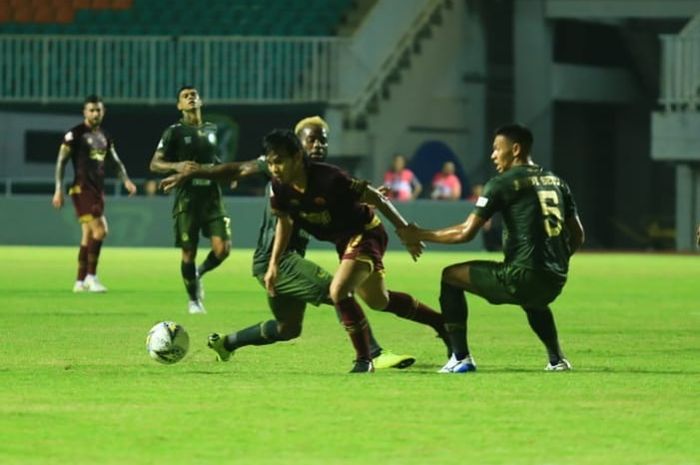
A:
[401,183]
[446,185]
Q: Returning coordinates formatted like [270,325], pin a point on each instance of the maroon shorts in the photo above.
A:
[89,203]
[368,247]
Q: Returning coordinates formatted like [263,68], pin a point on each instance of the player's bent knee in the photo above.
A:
[339,293]
[289,331]
[222,251]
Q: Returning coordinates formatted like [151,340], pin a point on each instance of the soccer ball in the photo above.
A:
[167,342]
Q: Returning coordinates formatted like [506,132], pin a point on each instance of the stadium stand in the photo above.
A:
[173,17]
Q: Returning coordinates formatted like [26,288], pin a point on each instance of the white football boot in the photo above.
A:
[195,307]
[92,284]
[459,366]
[562,365]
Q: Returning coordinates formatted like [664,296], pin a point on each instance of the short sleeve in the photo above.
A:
[569,203]
[347,186]
[70,139]
[165,145]
[110,141]
[489,202]
[277,197]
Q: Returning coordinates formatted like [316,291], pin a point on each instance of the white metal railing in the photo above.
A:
[680,69]
[128,69]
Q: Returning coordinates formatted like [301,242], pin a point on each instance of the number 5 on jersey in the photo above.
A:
[553,220]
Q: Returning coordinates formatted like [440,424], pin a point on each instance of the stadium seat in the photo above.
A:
[159,17]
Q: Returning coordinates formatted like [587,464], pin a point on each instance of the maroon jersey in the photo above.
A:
[330,208]
[88,151]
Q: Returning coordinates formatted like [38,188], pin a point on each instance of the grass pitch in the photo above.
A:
[77,387]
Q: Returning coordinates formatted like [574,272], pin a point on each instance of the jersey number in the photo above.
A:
[553,221]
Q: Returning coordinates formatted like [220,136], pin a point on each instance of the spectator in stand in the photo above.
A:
[403,185]
[446,185]
[150,188]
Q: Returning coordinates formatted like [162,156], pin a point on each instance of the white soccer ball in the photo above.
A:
[167,342]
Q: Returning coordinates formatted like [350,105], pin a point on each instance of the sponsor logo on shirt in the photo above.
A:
[188,139]
[98,154]
[482,201]
[323,217]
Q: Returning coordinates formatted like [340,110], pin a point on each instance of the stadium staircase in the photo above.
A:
[676,126]
[406,48]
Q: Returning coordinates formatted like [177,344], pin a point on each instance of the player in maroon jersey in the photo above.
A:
[337,208]
[87,145]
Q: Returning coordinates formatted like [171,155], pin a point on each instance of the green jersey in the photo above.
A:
[534,203]
[266,237]
[184,142]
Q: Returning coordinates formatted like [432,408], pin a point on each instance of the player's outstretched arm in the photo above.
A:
[283,232]
[463,232]
[63,156]
[123,175]
[160,165]
[372,196]
[225,172]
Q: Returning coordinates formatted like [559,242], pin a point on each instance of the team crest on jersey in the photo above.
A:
[320,201]
[188,139]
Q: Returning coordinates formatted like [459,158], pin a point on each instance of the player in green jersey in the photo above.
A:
[198,207]
[300,281]
[541,232]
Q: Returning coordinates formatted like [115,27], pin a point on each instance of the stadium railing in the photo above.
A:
[147,69]
[680,69]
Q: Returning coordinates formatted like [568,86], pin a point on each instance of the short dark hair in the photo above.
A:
[517,134]
[92,98]
[184,87]
[281,140]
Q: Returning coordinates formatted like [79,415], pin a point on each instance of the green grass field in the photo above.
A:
[77,387]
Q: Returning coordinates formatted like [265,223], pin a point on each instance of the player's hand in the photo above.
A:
[384,190]
[186,167]
[130,187]
[408,234]
[57,200]
[270,279]
[415,249]
[171,182]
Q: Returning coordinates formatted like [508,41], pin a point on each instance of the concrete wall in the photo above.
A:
[431,100]
[147,221]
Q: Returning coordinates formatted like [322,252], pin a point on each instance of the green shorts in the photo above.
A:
[300,279]
[188,227]
[504,284]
